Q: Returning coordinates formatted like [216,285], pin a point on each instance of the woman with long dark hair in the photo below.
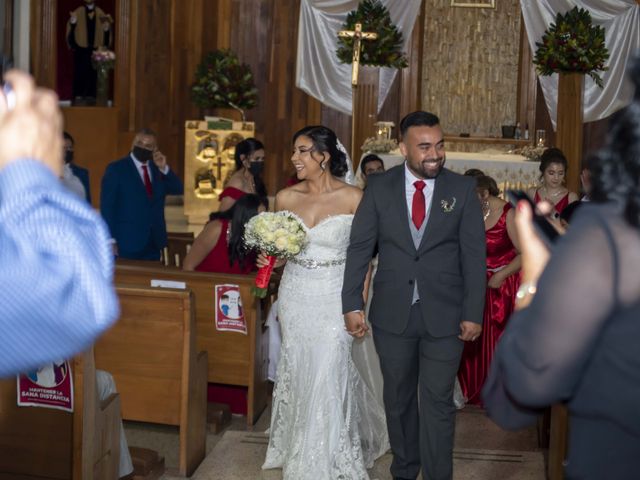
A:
[247,177]
[574,337]
[219,247]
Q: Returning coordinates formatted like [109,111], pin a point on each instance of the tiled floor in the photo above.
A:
[482,451]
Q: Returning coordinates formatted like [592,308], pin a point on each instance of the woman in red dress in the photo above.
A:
[553,168]
[219,247]
[247,177]
[503,280]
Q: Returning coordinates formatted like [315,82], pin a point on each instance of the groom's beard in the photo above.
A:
[430,167]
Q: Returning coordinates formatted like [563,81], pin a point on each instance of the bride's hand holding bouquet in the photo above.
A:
[277,236]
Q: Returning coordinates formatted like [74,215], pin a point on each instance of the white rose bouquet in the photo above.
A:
[279,234]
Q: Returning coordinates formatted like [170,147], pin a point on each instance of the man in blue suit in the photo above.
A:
[81,173]
[132,198]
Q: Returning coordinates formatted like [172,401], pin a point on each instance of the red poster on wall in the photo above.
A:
[50,386]
[229,311]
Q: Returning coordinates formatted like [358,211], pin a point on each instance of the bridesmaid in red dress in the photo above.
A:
[553,168]
[219,247]
[247,177]
[503,280]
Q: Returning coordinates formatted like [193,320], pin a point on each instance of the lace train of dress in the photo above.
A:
[325,422]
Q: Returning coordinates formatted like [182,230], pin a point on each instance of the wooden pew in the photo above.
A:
[178,245]
[41,443]
[234,358]
[161,378]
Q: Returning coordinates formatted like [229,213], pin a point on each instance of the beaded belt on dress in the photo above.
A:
[311,263]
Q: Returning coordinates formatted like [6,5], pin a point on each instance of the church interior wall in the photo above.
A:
[470,66]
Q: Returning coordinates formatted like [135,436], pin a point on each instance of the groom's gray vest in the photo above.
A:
[416,235]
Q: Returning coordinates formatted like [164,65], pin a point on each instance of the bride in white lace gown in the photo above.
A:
[325,424]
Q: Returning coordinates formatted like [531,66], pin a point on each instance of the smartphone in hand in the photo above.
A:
[541,224]
[7,95]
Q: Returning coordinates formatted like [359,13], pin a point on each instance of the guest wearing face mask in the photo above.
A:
[247,177]
[75,178]
[133,196]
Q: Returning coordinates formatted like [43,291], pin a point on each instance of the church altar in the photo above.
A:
[508,170]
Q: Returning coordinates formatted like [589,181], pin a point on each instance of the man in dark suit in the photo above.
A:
[81,173]
[428,295]
[132,198]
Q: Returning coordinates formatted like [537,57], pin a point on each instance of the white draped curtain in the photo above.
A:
[621,21]
[318,71]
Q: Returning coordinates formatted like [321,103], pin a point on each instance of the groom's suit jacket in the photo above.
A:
[449,264]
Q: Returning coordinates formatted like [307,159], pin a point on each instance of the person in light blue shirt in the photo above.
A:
[56,265]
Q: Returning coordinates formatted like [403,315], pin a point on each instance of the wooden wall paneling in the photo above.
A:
[365,109]
[570,124]
[153,75]
[95,131]
[43,42]
[186,54]
[7,29]
[222,21]
[124,76]
[283,107]
[527,84]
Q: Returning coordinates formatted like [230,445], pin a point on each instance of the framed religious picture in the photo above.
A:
[474,3]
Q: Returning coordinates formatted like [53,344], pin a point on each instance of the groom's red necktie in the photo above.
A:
[417,208]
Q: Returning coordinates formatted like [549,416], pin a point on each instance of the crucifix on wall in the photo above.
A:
[358,35]
[364,93]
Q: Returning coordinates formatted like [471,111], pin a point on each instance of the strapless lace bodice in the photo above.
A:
[328,240]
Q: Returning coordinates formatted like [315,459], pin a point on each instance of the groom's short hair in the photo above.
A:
[418,119]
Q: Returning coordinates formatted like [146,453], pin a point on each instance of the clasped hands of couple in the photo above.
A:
[356,326]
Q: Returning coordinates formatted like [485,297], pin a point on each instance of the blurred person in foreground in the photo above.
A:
[573,338]
[56,286]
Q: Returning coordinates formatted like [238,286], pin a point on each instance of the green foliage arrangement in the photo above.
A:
[385,51]
[572,45]
[221,81]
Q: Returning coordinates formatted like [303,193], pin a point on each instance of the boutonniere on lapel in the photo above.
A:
[448,205]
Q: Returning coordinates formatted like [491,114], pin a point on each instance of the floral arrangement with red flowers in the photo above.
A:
[573,44]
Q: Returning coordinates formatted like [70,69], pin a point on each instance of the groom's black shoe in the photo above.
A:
[402,478]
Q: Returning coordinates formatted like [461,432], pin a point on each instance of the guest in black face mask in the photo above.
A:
[71,169]
[247,177]
[133,195]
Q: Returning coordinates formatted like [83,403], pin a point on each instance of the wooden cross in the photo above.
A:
[219,164]
[357,36]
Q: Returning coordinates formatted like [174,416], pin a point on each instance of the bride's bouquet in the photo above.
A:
[279,234]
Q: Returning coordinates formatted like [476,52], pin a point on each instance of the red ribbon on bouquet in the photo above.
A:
[262,278]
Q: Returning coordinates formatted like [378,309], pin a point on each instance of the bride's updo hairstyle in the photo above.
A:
[324,140]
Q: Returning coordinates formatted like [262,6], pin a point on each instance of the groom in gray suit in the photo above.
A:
[428,292]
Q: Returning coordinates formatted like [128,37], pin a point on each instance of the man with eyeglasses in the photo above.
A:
[132,199]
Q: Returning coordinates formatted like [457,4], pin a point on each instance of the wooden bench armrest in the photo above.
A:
[195,436]
[107,438]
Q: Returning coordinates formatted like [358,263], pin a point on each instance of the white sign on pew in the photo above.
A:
[168,284]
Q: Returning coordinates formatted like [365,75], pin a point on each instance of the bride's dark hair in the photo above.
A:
[616,168]
[325,140]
